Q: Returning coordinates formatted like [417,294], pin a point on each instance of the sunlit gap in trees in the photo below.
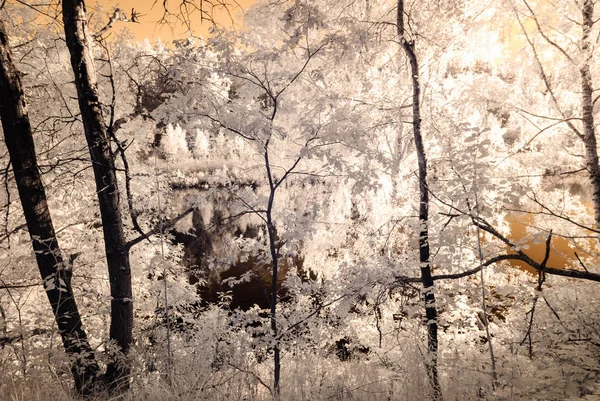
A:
[153,23]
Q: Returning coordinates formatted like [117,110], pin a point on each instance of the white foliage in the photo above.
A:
[175,142]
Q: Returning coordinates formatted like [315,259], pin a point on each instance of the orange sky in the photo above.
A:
[150,15]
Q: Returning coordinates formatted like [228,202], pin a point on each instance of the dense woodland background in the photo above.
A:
[336,200]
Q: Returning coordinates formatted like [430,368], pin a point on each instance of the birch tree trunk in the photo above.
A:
[424,253]
[79,42]
[55,274]
[587,106]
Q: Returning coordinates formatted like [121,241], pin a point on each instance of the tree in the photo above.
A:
[424,254]
[260,97]
[303,162]
[556,111]
[55,272]
[79,42]
[255,100]
[579,60]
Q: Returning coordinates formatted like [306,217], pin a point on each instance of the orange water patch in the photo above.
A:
[562,254]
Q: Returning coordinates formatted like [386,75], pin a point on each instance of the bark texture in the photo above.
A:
[79,42]
[424,252]
[587,108]
[55,274]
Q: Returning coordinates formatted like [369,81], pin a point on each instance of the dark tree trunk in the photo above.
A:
[55,274]
[274,329]
[275,273]
[424,256]
[79,42]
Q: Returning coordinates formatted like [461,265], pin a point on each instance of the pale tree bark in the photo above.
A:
[587,107]
[424,252]
[55,273]
[79,41]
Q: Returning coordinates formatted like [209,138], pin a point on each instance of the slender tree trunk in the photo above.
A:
[424,256]
[55,274]
[587,106]
[79,42]
[275,272]
[274,258]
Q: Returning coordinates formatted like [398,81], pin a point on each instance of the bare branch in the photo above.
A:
[550,212]
[164,225]
[228,128]
[545,78]
[520,255]
[118,15]
[5,286]
[293,167]
[581,262]
[111,128]
[205,8]
[543,34]
[301,70]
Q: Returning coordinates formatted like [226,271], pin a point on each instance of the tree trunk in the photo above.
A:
[79,42]
[275,260]
[587,106]
[274,329]
[55,274]
[426,279]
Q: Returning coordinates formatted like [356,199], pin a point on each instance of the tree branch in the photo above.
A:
[4,286]
[543,34]
[113,135]
[545,78]
[118,15]
[520,255]
[164,225]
